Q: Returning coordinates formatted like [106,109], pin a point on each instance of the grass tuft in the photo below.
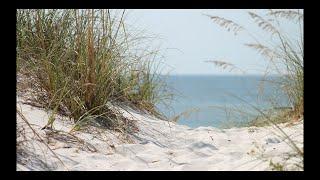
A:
[77,61]
[286,56]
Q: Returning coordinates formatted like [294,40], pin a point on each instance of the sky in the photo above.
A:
[188,38]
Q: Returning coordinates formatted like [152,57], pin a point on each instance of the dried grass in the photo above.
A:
[77,61]
[288,53]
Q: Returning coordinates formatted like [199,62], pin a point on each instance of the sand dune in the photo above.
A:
[159,145]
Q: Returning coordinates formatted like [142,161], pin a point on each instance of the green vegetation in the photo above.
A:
[276,166]
[78,62]
[285,55]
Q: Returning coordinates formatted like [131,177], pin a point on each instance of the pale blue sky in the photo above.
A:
[188,38]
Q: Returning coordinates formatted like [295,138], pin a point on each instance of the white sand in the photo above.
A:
[158,145]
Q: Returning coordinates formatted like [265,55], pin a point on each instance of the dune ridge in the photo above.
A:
[158,145]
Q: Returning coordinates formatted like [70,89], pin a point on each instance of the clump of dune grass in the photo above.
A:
[78,62]
[285,55]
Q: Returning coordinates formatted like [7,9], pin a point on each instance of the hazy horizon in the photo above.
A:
[187,38]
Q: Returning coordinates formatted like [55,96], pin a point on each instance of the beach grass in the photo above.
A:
[77,62]
[285,55]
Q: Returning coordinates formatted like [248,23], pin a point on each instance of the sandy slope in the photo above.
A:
[158,145]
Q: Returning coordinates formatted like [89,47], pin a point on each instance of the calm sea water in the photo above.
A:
[221,101]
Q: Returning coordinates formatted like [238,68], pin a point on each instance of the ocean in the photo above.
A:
[220,101]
